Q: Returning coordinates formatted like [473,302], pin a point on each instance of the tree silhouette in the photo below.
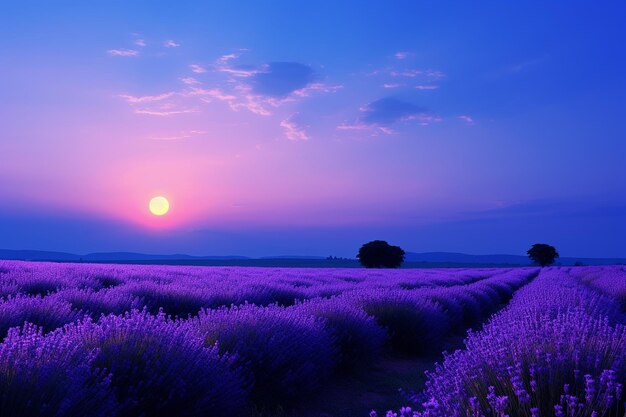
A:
[542,254]
[380,254]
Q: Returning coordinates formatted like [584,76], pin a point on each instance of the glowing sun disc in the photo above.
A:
[159,206]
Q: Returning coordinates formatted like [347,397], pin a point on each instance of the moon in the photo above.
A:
[159,206]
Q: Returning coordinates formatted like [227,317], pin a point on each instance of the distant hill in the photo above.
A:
[412,259]
[36,255]
[131,256]
[463,258]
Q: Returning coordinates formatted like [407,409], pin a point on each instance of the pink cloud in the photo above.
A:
[402,55]
[189,81]
[180,136]
[171,44]
[146,99]
[161,112]
[239,72]
[293,130]
[223,65]
[140,42]
[253,104]
[317,87]
[213,92]
[228,57]
[363,126]
[123,52]
[392,85]
[198,69]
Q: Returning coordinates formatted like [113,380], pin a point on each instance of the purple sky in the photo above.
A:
[293,128]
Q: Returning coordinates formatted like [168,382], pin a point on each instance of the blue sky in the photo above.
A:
[310,128]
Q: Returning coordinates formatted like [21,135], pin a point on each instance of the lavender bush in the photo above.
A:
[51,376]
[288,354]
[46,312]
[160,368]
[359,339]
[557,350]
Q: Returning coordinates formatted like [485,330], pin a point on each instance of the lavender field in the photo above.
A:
[104,340]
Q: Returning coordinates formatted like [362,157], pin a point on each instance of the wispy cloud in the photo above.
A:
[426,87]
[293,130]
[140,42]
[363,126]
[383,113]
[213,92]
[160,112]
[198,69]
[317,88]
[402,55]
[411,73]
[467,119]
[123,52]
[391,85]
[279,79]
[435,74]
[146,99]
[189,81]
[187,134]
[260,88]
[171,44]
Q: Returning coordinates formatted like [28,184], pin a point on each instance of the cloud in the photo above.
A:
[383,113]
[317,87]
[140,42]
[402,55]
[163,112]
[362,126]
[223,64]
[123,52]
[239,70]
[411,73]
[189,81]
[467,119]
[435,74]
[293,130]
[186,134]
[386,85]
[228,57]
[198,69]
[387,111]
[259,88]
[279,79]
[426,87]
[236,101]
[171,44]
[165,104]
[146,99]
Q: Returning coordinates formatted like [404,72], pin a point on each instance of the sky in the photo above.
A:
[310,128]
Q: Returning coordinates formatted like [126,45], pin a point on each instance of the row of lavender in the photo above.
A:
[217,361]
[609,280]
[558,349]
[51,295]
